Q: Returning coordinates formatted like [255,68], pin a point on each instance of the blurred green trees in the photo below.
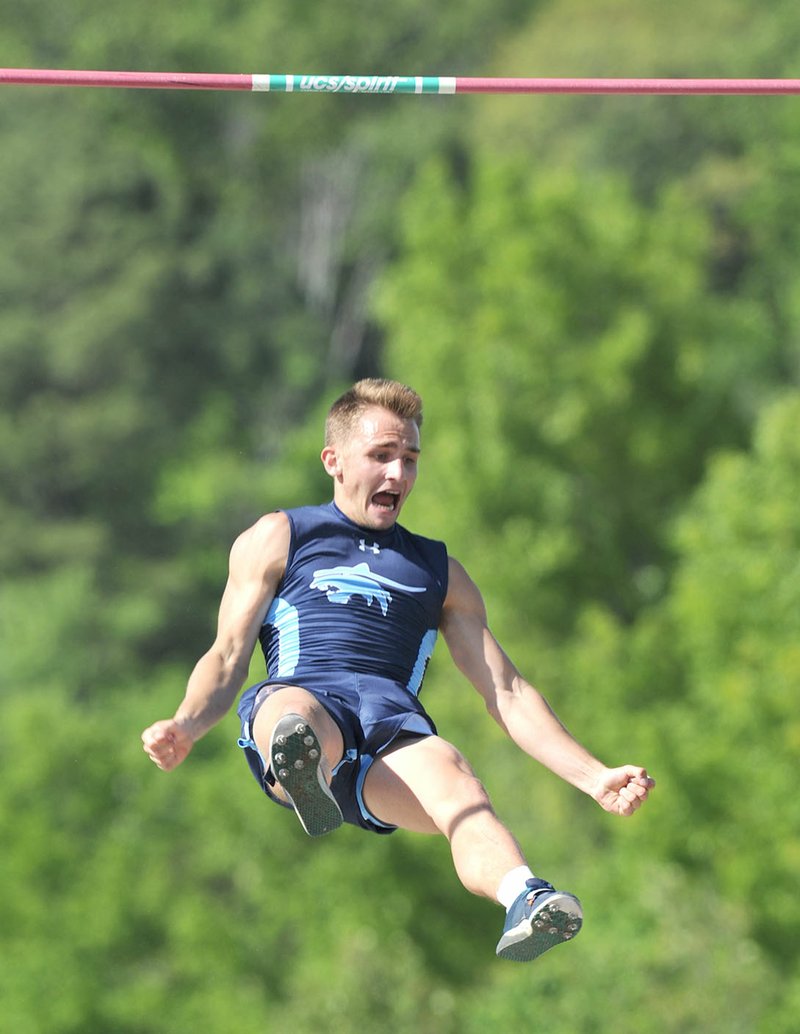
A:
[598,300]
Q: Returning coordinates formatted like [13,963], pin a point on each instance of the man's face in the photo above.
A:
[375,468]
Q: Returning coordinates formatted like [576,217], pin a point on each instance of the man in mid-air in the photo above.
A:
[347,605]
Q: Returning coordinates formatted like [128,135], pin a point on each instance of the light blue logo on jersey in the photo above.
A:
[341,584]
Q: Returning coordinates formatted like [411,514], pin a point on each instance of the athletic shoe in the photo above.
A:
[295,756]
[539,919]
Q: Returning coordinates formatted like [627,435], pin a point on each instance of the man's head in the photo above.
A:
[371,450]
[346,411]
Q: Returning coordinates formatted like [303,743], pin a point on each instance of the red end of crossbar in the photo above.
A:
[633,86]
[127,80]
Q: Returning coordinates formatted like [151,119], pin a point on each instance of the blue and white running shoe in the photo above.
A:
[539,919]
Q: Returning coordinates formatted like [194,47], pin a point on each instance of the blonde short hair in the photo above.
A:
[347,409]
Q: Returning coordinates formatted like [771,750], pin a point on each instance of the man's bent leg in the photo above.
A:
[303,744]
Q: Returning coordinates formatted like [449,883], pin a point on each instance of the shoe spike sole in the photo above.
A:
[547,928]
[295,756]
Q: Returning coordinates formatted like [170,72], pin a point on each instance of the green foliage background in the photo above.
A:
[598,300]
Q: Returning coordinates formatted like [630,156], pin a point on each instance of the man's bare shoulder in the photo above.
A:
[462,592]
[458,578]
[264,546]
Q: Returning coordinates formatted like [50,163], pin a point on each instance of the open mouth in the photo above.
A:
[386,501]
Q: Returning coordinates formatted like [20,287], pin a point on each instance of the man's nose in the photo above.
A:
[394,469]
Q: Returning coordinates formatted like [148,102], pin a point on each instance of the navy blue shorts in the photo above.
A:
[372,713]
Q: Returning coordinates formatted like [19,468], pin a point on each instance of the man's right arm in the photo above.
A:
[257,563]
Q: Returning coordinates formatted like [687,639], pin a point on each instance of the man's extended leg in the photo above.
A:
[303,745]
[428,786]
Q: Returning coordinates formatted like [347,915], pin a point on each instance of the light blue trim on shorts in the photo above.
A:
[346,759]
[252,745]
[363,768]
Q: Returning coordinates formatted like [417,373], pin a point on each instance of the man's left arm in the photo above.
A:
[522,711]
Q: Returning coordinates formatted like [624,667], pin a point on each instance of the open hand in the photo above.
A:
[622,791]
[167,743]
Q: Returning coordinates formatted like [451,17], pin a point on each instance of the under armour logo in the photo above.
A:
[374,548]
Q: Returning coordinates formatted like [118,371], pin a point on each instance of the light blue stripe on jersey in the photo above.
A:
[285,620]
[424,655]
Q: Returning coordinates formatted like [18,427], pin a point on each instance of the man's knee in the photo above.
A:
[295,700]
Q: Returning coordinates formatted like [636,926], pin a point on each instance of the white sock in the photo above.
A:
[512,885]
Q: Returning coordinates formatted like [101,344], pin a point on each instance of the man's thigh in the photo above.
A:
[423,785]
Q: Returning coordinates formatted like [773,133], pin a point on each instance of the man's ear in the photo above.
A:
[330,461]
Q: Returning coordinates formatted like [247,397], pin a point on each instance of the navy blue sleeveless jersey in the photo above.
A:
[354,600]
